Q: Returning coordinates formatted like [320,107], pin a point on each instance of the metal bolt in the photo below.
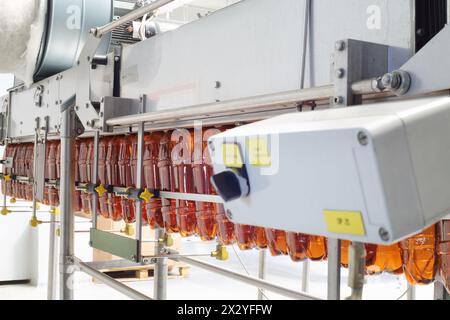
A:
[87,105]
[218,85]
[340,46]
[386,80]
[363,138]
[229,214]
[340,73]
[384,234]
[338,100]
[116,59]
[101,114]
[77,108]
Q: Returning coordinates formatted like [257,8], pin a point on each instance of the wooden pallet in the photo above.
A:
[144,273]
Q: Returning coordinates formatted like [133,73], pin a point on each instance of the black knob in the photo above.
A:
[230,186]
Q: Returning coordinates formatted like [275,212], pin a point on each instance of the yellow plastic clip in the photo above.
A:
[167,240]
[12,200]
[7,178]
[146,195]
[55,211]
[128,230]
[101,190]
[34,222]
[221,253]
[5,211]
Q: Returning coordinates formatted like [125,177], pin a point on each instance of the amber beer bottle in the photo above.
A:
[277,242]
[203,171]
[151,178]
[297,244]
[167,180]
[112,175]
[419,257]
[444,252]
[225,228]
[261,240]
[181,158]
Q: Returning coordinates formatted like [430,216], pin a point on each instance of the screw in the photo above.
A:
[87,105]
[218,85]
[229,214]
[77,108]
[340,73]
[338,100]
[101,114]
[363,138]
[340,46]
[116,59]
[384,234]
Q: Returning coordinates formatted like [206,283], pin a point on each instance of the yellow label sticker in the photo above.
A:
[232,157]
[345,222]
[258,151]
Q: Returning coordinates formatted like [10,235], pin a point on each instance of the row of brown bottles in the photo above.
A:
[176,162]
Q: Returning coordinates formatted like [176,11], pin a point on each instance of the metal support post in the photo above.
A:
[357,263]
[440,293]
[334,269]
[67,189]
[52,260]
[139,165]
[411,294]
[161,268]
[95,180]
[305,275]
[262,271]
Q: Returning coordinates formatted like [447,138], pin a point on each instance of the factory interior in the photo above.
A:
[225,150]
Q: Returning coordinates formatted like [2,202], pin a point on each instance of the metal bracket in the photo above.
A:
[38,94]
[112,107]
[353,61]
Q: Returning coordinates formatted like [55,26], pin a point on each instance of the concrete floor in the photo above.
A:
[202,285]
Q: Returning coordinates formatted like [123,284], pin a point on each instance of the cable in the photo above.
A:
[246,270]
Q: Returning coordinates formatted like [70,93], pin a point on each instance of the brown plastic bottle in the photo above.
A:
[419,257]
[77,207]
[112,175]
[245,236]
[277,242]
[317,248]
[103,200]
[387,259]
[297,244]
[29,159]
[444,252]
[151,178]
[125,177]
[181,158]
[203,171]
[167,181]
[53,198]
[261,238]
[225,228]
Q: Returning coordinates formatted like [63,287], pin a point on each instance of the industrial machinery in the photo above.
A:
[240,127]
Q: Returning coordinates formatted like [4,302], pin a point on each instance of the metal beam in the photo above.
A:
[262,284]
[116,285]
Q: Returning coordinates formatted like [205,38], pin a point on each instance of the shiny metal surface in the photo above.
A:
[68,25]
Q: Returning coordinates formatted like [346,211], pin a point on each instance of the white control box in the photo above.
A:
[376,173]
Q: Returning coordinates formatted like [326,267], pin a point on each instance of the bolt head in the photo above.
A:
[386,81]
[340,46]
[340,73]
[338,100]
[384,234]
[363,139]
